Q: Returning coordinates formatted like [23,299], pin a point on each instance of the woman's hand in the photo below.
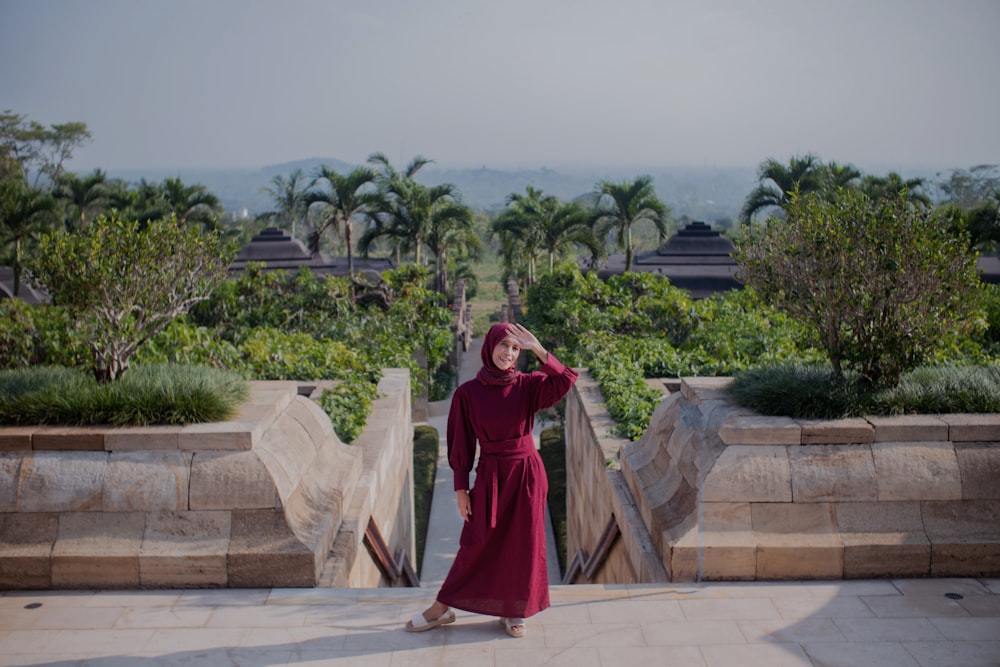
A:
[464,504]
[527,341]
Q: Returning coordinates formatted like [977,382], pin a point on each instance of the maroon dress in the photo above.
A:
[500,568]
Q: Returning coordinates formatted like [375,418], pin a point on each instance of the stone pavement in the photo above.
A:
[909,622]
[882,623]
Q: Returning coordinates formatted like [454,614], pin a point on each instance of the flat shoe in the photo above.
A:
[420,624]
[513,626]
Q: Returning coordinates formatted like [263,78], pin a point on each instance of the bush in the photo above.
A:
[149,394]
[881,282]
[123,282]
[815,392]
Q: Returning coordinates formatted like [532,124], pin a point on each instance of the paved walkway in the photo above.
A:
[884,623]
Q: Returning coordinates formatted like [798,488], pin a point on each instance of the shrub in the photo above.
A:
[149,394]
[123,281]
[880,281]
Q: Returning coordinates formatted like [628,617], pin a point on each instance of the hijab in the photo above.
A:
[490,374]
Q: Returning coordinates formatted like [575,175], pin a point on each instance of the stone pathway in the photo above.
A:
[898,623]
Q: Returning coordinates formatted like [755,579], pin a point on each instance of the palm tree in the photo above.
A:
[191,203]
[519,228]
[533,222]
[86,197]
[841,176]
[778,182]
[290,196]
[350,198]
[23,213]
[394,186]
[449,227]
[892,186]
[407,214]
[620,206]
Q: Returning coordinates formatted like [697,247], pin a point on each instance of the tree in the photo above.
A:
[124,281]
[778,181]
[450,227]
[879,280]
[350,198]
[892,185]
[394,185]
[969,188]
[289,196]
[84,197]
[620,206]
[190,203]
[40,151]
[532,223]
[24,212]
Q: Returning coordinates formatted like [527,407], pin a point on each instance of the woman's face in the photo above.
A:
[505,352]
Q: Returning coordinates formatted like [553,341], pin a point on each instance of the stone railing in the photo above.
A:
[724,493]
[272,498]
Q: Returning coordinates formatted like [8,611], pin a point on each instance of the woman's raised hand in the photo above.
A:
[527,341]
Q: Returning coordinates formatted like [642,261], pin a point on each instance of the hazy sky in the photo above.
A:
[510,83]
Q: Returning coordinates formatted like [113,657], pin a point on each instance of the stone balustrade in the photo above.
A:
[724,493]
[271,498]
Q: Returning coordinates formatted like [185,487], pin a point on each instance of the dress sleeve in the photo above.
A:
[461,440]
[555,381]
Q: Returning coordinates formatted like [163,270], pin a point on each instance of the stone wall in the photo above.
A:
[596,496]
[724,493]
[254,502]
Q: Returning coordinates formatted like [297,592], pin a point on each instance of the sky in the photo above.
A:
[892,84]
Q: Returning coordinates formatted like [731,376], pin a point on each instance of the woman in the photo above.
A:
[500,568]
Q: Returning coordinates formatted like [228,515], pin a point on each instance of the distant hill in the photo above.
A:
[701,193]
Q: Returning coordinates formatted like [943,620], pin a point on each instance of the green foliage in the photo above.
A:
[880,281]
[150,394]
[123,283]
[32,335]
[425,459]
[348,404]
[813,391]
[637,326]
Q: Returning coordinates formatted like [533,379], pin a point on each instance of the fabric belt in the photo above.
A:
[488,473]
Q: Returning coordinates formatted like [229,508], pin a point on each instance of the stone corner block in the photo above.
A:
[837,432]
[710,388]
[797,541]
[884,539]
[972,427]
[231,436]
[230,480]
[68,438]
[741,429]
[98,550]
[185,549]
[26,541]
[827,473]
[749,473]
[917,471]
[265,553]
[908,428]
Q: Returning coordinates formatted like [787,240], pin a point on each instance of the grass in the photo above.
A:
[425,456]
[810,392]
[553,452]
[144,395]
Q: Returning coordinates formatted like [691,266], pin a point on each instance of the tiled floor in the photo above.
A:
[909,623]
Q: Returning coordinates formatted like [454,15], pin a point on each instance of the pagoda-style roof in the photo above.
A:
[277,250]
[696,258]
